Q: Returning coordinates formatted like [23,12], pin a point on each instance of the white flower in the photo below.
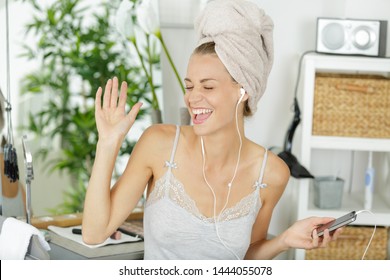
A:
[123,20]
[147,17]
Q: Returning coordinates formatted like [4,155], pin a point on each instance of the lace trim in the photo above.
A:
[179,196]
[158,192]
[243,208]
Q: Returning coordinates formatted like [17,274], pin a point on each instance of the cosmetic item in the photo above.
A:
[133,234]
[369,183]
[76,230]
[117,235]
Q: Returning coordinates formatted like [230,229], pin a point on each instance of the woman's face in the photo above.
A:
[211,94]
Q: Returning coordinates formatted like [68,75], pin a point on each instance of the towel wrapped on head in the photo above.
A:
[242,34]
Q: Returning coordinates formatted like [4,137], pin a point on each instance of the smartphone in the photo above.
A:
[335,224]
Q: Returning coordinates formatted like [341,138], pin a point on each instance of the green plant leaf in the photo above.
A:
[76,55]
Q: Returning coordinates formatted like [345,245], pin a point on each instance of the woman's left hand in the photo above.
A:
[303,234]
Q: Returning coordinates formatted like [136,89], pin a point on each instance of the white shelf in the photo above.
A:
[349,143]
[312,64]
[354,202]
[348,64]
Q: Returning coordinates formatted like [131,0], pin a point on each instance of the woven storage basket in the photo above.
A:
[351,245]
[351,105]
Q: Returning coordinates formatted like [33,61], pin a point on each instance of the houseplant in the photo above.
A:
[138,23]
[78,51]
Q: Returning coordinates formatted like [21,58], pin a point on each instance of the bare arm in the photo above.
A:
[301,234]
[101,214]
[276,176]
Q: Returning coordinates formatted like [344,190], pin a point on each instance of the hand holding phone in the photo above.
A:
[335,224]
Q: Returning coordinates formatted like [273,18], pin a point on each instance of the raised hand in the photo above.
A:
[111,119]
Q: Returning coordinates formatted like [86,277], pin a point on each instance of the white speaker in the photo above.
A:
[351,36]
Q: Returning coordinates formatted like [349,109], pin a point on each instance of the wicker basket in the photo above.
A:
[351,105]
[351,245]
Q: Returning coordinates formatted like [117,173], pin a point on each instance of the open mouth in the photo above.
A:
[201,115]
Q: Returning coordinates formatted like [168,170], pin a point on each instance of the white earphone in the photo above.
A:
[242,92]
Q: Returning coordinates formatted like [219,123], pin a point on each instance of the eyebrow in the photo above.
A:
[202,81]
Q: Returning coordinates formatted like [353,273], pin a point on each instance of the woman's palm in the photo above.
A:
[111,117]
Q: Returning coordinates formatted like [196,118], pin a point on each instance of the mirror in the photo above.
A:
[13,197]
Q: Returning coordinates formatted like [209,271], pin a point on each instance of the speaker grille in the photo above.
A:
[351,36]
[333,36]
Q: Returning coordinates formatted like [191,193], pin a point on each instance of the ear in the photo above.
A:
[243,95]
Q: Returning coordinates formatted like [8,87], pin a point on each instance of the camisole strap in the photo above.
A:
[171,164]
[259,183]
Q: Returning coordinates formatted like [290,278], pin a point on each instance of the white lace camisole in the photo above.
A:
[175,229]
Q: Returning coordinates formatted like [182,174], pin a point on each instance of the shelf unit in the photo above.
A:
[313,63]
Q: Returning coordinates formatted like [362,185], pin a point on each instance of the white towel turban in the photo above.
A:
[242,34]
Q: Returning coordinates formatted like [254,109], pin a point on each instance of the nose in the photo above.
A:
[193,96]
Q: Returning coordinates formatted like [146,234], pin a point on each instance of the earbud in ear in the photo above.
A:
[242,92]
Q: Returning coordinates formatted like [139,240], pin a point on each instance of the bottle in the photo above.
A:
[369,184]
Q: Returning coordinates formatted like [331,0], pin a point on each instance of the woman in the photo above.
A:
[214,196]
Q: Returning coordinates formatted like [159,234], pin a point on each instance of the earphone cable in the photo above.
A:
[373,232]
[216,219]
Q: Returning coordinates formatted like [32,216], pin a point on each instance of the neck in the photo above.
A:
[221,149]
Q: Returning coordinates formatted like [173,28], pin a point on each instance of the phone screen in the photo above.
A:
[335,224]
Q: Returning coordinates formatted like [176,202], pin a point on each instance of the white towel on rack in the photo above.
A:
[15,238]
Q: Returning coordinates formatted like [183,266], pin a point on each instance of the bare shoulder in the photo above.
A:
[276,177]
[158,134]
[155,143]
[277,171]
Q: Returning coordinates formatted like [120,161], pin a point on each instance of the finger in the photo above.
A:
[107,94]
[337,233]
[326,238]
[98,99]
[114,93]
[134,112]
[123,95]
[315,238]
